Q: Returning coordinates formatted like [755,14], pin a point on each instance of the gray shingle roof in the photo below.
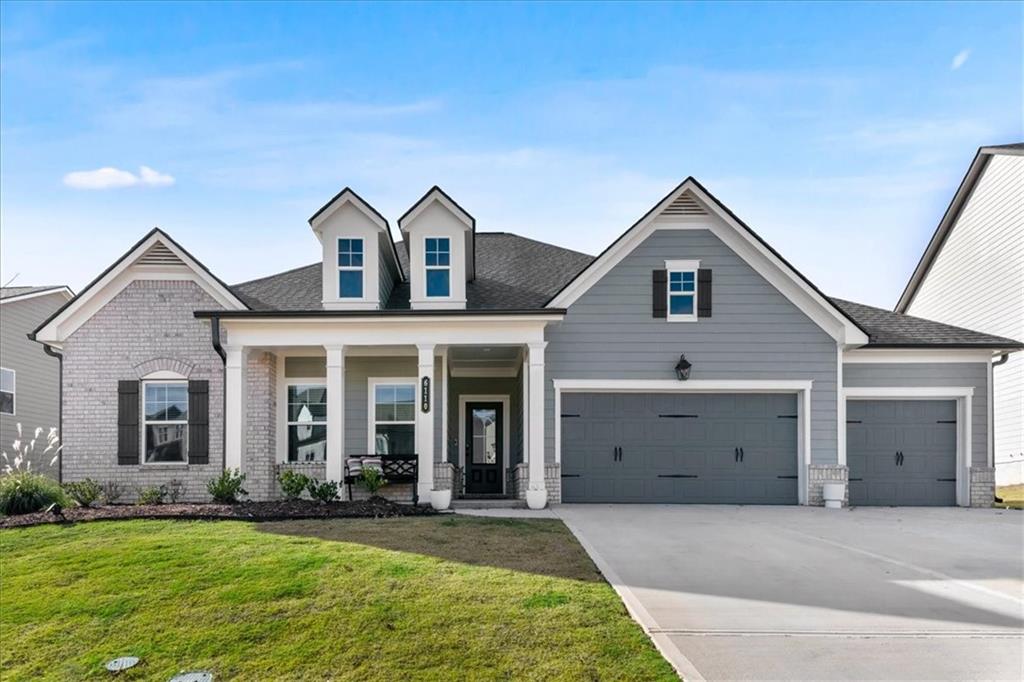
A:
[517,273]
[8,292]
[512,273]
[886,328]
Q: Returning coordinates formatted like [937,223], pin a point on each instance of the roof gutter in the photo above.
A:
[215,338]
[375,314]
[48,349]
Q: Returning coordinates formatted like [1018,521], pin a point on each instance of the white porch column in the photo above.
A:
[235,367]
[425,421]
[535,451]
[335,412]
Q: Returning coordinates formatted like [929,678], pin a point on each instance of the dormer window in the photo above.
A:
[437,259]
[350,268]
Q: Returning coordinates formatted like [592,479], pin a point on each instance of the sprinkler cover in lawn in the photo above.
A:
[195,676]
[123,663]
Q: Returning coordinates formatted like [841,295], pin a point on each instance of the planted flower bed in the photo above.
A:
[375,508]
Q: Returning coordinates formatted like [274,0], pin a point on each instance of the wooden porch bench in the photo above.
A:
[394,468]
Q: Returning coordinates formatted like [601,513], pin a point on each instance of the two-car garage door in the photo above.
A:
[696,448]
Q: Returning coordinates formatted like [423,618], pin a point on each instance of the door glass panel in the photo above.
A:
[485,436]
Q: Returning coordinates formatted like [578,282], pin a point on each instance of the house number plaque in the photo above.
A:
[425,394]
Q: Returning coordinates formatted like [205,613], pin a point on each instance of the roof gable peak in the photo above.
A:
[438,195]
[347,196]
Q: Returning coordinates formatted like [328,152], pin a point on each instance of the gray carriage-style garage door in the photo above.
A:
[680,448]
[901,452]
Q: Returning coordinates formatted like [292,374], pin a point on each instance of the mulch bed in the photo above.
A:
[374,508]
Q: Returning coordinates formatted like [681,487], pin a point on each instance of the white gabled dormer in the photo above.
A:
[439,238]
[360,266]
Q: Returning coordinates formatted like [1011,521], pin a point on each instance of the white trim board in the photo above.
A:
[742,242]
[802,389]
[506,402]
[125,271]
[867,356]
[963,395]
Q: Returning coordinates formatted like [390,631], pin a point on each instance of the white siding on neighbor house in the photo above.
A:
[977,281]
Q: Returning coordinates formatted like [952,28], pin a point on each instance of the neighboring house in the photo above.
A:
[972,275]
[29,378]
[508,365]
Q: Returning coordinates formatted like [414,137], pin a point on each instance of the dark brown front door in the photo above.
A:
[484,456]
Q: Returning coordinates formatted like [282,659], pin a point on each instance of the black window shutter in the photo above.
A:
[199,422]
[128,422]
[659,293]
[704,293]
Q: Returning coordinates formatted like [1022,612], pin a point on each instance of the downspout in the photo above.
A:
[215,340]
[60,407]
[991,397]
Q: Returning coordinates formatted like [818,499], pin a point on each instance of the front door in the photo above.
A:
[484,455]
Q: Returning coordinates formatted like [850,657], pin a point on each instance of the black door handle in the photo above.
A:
[735,454]
[742,454]
[897,459]
[620,453]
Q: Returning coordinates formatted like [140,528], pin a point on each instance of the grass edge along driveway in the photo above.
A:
[440,598]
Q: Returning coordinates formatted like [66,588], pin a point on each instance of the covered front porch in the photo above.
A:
[466,398]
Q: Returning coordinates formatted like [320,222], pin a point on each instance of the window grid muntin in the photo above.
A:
[351,257]
[437,262]
[682,294]
[156,398]
[316,423]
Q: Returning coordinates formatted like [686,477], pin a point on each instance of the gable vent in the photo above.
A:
[159,254]
[684,204]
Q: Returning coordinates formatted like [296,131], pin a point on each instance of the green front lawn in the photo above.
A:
[434,598]
[1012,496]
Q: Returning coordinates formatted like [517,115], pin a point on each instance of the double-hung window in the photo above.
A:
[307,422]
[6,391]
[393,420]
[682,290]
[350,268]
[165,421]
[438,256]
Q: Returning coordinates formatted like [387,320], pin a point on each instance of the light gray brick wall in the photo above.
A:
[259,463]
[552,481]
[146,327]
[983,486]
[818,475]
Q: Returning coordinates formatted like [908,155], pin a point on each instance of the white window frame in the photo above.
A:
[351,268]
[301,381]
[428,268]
[156,378]
[13,391]
[680,266]
[371,413]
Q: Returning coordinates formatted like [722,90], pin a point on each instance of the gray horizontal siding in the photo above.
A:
[36,374]
[755,332]
[358,371]
[974,375]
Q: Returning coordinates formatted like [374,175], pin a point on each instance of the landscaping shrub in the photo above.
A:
[292,483]
[175,489]
[24,492]
[322,492]
[111,492]
[373,480]
[227,487]
[152,495]
[84,493]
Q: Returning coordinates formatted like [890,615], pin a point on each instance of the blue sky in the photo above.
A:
[837,131]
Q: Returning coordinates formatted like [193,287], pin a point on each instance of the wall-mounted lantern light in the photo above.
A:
[683,368]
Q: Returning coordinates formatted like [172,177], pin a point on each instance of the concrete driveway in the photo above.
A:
[733,593]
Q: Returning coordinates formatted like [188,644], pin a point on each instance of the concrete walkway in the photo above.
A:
[737,593]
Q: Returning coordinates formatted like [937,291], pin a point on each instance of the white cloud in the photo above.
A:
[959,59]
[114,178]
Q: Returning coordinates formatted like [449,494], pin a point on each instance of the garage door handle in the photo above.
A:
[856,479]
[946,480]
[570,475]
[742,454]
[677,476]
[735,454]
[785,477]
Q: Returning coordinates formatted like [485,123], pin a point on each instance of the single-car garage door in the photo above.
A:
[901,452]
[715,448]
